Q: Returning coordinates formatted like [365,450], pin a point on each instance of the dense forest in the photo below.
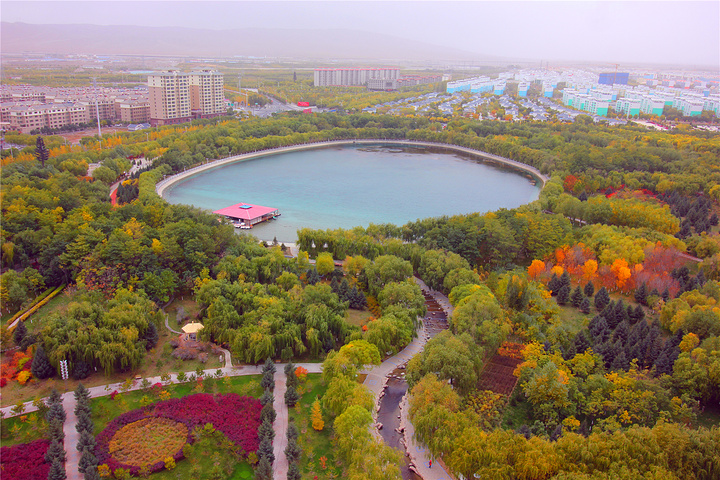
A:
[608,283]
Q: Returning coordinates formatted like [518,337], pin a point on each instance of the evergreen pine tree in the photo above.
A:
[343,290]
[622,332]
[268,381]
[585,305]
[263,471]
[313,277]
[620,311]
[334,286]
[91,473]
[82,395]
[639,313]
[41,151]
[602,299]
[293,451]
[57,471]
[20,333]
[666,295]
[292,432]
[291,396]
[589,289]
[569,352]
[293,472]
[577,297]
[269,366]
[87,460]
[267,397]
[554,284]
[86,440]
[268,412]
[630,314]
[565,279]
[620,362]
[55,429]
[601,331]
[84,423]
[41,367]
[641,294]
[265,450]
[55,452]
[563,296]
[266,430]
[581,342]
[150,336]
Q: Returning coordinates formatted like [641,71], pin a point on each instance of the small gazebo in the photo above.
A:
[191,329]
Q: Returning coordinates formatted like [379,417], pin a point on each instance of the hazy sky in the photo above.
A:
[685,32]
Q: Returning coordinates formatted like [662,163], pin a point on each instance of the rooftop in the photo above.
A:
[245,211]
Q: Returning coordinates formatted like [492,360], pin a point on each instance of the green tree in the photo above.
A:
[343,392]
[41,152]
[386,269]
[451,358]
[325,263]
[41,367]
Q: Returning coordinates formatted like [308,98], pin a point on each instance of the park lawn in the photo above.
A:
[57,305]
[315,444]
[106,408]
[190,307]
[358,318]
[158,361]
[18,430]
[572,319]
[210,454]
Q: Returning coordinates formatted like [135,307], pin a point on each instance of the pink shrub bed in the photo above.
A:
[25,461]
[238,418]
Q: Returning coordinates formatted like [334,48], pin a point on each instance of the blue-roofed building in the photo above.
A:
[612,78]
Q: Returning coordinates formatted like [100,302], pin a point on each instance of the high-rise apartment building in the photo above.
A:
[207,98]
[177,97]
[325,77]
[169,98]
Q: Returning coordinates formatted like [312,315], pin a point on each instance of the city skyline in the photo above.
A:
[598,31]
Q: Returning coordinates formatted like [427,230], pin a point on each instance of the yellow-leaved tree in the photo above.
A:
[316,416]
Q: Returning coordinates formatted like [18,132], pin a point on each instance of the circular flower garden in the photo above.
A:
[148,436]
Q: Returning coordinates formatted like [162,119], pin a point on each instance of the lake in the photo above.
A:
[343,187]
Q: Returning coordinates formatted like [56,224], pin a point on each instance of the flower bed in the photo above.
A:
[238,418]
[148,441]
[25,461]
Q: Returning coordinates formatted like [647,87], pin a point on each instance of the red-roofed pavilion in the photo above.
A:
[248,214]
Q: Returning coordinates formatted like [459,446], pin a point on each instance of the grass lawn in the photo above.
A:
[315,444]
[105,408]
[157,362]
[188,305]
[358,317]
[58,304]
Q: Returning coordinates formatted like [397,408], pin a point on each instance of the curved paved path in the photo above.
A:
[375,380]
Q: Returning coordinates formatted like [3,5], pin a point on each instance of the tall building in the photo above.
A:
[177,97]
[325,77]
[207,97]
[169,98]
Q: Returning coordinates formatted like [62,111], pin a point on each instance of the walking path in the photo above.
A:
[375,380]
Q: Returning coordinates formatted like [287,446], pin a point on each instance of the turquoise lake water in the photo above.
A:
[343,187]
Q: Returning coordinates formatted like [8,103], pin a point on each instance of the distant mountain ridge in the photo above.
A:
[259,42]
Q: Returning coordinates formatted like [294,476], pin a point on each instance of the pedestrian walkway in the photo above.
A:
[280,467]
[71,437]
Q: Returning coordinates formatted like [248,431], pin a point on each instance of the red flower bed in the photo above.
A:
[235,416]
[25,461]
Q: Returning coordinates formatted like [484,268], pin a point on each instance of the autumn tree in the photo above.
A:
[316,416]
